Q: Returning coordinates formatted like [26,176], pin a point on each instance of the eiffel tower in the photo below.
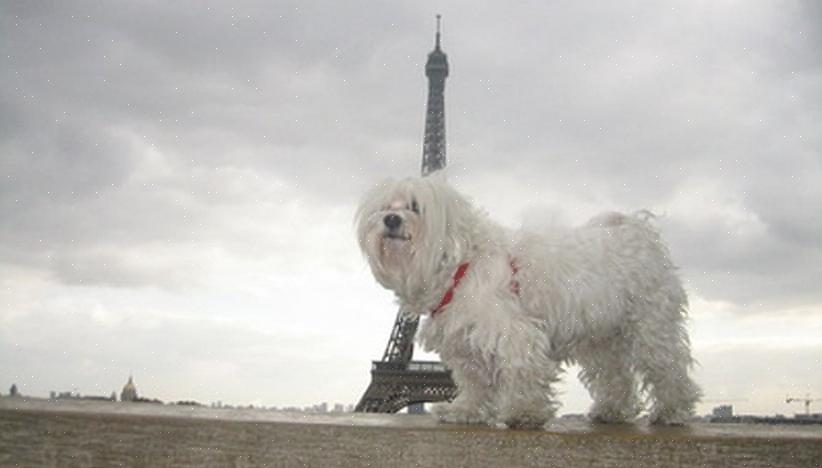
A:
[397,381]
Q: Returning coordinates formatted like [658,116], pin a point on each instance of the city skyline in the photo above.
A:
[178,182]
[723,412]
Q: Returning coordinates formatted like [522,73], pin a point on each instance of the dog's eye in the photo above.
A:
[415,207]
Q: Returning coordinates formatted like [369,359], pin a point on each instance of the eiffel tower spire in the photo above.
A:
[433,148]
[396,380]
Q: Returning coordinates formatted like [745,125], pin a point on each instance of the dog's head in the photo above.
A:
[408,229]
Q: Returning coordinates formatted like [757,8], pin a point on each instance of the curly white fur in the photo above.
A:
[604,295]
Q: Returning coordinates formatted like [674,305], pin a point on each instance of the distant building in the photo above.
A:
[188,403]
[73,395]
[129,392]
[723,411]
[66,395]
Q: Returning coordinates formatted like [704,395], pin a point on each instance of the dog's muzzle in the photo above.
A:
[393,224]
[392,221]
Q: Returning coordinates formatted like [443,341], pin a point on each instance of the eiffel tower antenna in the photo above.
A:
[439,18]
[433,147]
[397,381]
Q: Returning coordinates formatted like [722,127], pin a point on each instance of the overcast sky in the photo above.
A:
[178,179]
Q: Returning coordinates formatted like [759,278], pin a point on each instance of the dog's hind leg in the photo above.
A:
[608,374]
[664,358]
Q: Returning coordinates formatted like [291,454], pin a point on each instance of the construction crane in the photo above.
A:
[807,400]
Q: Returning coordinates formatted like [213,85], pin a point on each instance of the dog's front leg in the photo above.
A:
[473,403]
[526,398]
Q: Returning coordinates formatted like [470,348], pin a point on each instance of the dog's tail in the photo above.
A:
[640,223]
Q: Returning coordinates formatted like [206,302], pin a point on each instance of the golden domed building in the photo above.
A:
[129,392]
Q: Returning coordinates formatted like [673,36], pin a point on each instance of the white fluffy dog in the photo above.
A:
[507,309]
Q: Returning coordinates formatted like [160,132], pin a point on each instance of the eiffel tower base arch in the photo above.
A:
[395,385]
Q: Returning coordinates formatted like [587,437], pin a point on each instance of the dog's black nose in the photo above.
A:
[392,221]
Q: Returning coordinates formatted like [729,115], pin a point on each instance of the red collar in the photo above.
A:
[460,274]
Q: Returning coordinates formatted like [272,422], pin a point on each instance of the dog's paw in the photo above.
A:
[603,414]
[608,419]
[669,417]
[523,413]
[525,422]
[451,413]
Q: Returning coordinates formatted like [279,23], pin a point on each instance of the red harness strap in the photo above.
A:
[449,294]
[460,274]
[514,270]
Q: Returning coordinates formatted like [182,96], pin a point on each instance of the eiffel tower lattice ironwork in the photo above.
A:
[397,381]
